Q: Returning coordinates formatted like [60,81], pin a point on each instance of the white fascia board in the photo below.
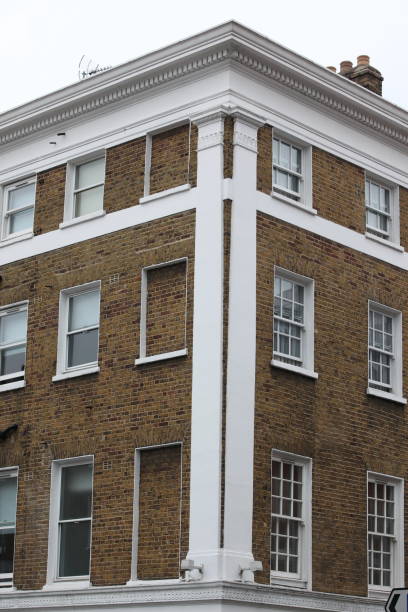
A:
[209,597]
[112,126]
[230,41]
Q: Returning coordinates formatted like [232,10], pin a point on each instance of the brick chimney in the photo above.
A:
[365,75]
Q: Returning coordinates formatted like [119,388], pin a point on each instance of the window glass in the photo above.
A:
[8,498]
[83,310]
[75,520]
[21,196]
[90,173]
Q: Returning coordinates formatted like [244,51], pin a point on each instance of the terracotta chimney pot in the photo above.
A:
[346,67]
[363,60]
[332,68]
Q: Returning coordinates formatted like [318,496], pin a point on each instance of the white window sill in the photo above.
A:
[169,581]
[165,193]
[161,357]
[6,241]
[398,399]
[83,219]
[387,243]
[17,384]
[292,368]
[378,594]
[295,583]
[295,203]
[67,585]
[75,373]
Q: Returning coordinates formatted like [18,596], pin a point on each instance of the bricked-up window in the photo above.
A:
[290,522]
[384,539]
[384,351]
[170,160]
[158,512]
[163,311]
[293,321]
[78,340]
[18,209]
[84,189]
[70,519]
[13,339]
[8,499]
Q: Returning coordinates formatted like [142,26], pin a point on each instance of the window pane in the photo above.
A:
[89,201]
[22,196]
[21,221]
[284,155]
[6,550]
[75,541]
[293,563]
[276,150]
[12,360]
[282,179]
[76,491]
[83,347]
[83,310]
[91,173]
[296,159]
[8,498]
[13,327]
[374,196]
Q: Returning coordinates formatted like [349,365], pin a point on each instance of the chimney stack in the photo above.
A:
[365,75]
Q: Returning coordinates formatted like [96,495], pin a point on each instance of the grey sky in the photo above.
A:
[42,41]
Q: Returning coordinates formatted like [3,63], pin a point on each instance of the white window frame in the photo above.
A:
[305,199]
[306,366]
[304,577]
[6,237]
[69,205]
[396,392]
[143,358]
[63,371]
[6,580]
[393,239]
[53,580]
[397,560]
[14,384]
[136,497]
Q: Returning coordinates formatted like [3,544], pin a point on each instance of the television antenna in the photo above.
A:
[88,68]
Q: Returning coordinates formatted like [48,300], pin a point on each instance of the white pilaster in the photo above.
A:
[205,488]
[241,354]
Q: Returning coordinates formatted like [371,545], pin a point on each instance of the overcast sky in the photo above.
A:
[42,41]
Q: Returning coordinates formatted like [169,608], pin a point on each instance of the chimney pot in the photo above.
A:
[332,68]
[363,60]
[346,67]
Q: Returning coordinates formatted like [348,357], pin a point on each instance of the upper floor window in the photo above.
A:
[382,218]
[293,326]
[287,169]
[18,209]
[291,519]
[8,499]
[84,190]
[385,532]
[13,338]
[385,352]
[78,339]
[70,519]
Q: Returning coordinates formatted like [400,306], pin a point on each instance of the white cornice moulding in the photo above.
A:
[169,597]
[229,42]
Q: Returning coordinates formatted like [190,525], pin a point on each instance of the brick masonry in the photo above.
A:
[159,513]
[174,162]
[108,414]
[166,309]
[331,420]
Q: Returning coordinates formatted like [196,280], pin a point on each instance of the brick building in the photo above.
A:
[203,315]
